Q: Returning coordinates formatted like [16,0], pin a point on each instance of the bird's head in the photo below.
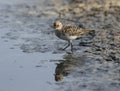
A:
[58,25]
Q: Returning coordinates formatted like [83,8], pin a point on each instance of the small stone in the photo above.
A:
[76,10]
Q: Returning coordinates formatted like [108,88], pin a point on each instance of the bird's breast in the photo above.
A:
[65,36]
[61,35]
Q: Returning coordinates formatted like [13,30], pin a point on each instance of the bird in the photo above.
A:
[69,32]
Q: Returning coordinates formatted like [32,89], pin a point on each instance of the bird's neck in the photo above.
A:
[59,28]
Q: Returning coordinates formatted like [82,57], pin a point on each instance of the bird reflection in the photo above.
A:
[64,67]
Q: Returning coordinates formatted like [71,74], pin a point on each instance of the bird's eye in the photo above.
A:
[54,24]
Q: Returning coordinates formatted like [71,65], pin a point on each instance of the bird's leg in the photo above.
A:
[69,43]
[71,46]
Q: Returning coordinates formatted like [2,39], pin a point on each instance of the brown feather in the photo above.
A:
[73,30]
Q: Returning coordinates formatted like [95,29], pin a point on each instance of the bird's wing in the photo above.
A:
[73,30]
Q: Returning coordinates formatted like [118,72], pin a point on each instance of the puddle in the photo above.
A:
[23,63]
[25,71]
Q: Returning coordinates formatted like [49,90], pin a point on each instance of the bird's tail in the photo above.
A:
[91,32]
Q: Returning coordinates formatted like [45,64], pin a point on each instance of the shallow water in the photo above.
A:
[19,70]
[23,71]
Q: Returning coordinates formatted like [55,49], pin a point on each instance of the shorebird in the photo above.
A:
[69,32]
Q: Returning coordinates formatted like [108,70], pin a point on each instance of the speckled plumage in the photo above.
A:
[73,30]
[68,32]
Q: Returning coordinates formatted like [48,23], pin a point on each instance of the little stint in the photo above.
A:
[69,32]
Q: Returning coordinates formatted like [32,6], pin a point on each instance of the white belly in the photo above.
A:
[72,37]
[65,36]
